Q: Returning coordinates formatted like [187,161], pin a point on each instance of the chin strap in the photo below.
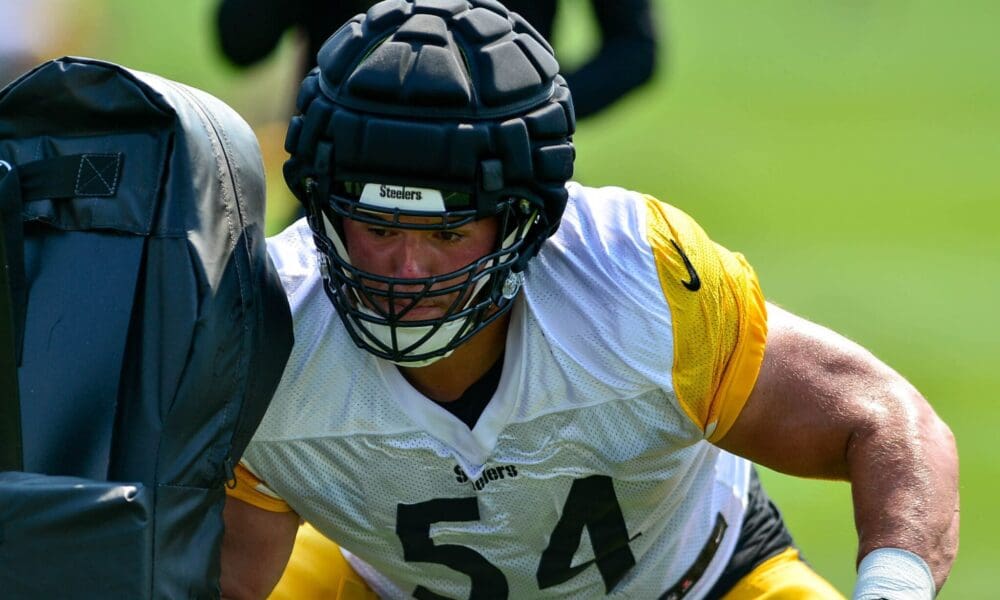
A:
[420,339]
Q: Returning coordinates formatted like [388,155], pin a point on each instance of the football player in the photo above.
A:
[508,385]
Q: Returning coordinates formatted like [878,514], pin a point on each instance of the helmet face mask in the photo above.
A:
[429,116]
[376,308]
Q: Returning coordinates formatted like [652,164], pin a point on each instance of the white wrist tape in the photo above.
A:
[893,574]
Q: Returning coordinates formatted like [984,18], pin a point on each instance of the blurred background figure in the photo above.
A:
[250,30]
[28,30]
[626,58]
[33,31]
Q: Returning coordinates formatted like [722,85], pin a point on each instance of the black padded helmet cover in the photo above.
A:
[445,94]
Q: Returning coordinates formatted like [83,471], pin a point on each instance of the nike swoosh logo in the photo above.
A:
[695,284]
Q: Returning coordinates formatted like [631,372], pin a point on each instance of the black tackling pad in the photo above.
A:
[152,329]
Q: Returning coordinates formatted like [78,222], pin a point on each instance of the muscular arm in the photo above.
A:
[255,549]
[825,407]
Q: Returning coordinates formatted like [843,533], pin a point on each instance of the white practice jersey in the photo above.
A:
[590,473]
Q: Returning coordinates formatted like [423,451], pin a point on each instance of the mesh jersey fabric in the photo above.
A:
[587,401]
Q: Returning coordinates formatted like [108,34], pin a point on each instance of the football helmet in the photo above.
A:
[447,109]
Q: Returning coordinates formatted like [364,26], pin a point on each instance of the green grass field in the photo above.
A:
[849,149]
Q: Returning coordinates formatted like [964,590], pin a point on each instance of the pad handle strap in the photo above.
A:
[12,294]
[58,177]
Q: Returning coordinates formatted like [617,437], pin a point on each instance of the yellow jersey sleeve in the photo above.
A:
[250,489]
[718,315]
